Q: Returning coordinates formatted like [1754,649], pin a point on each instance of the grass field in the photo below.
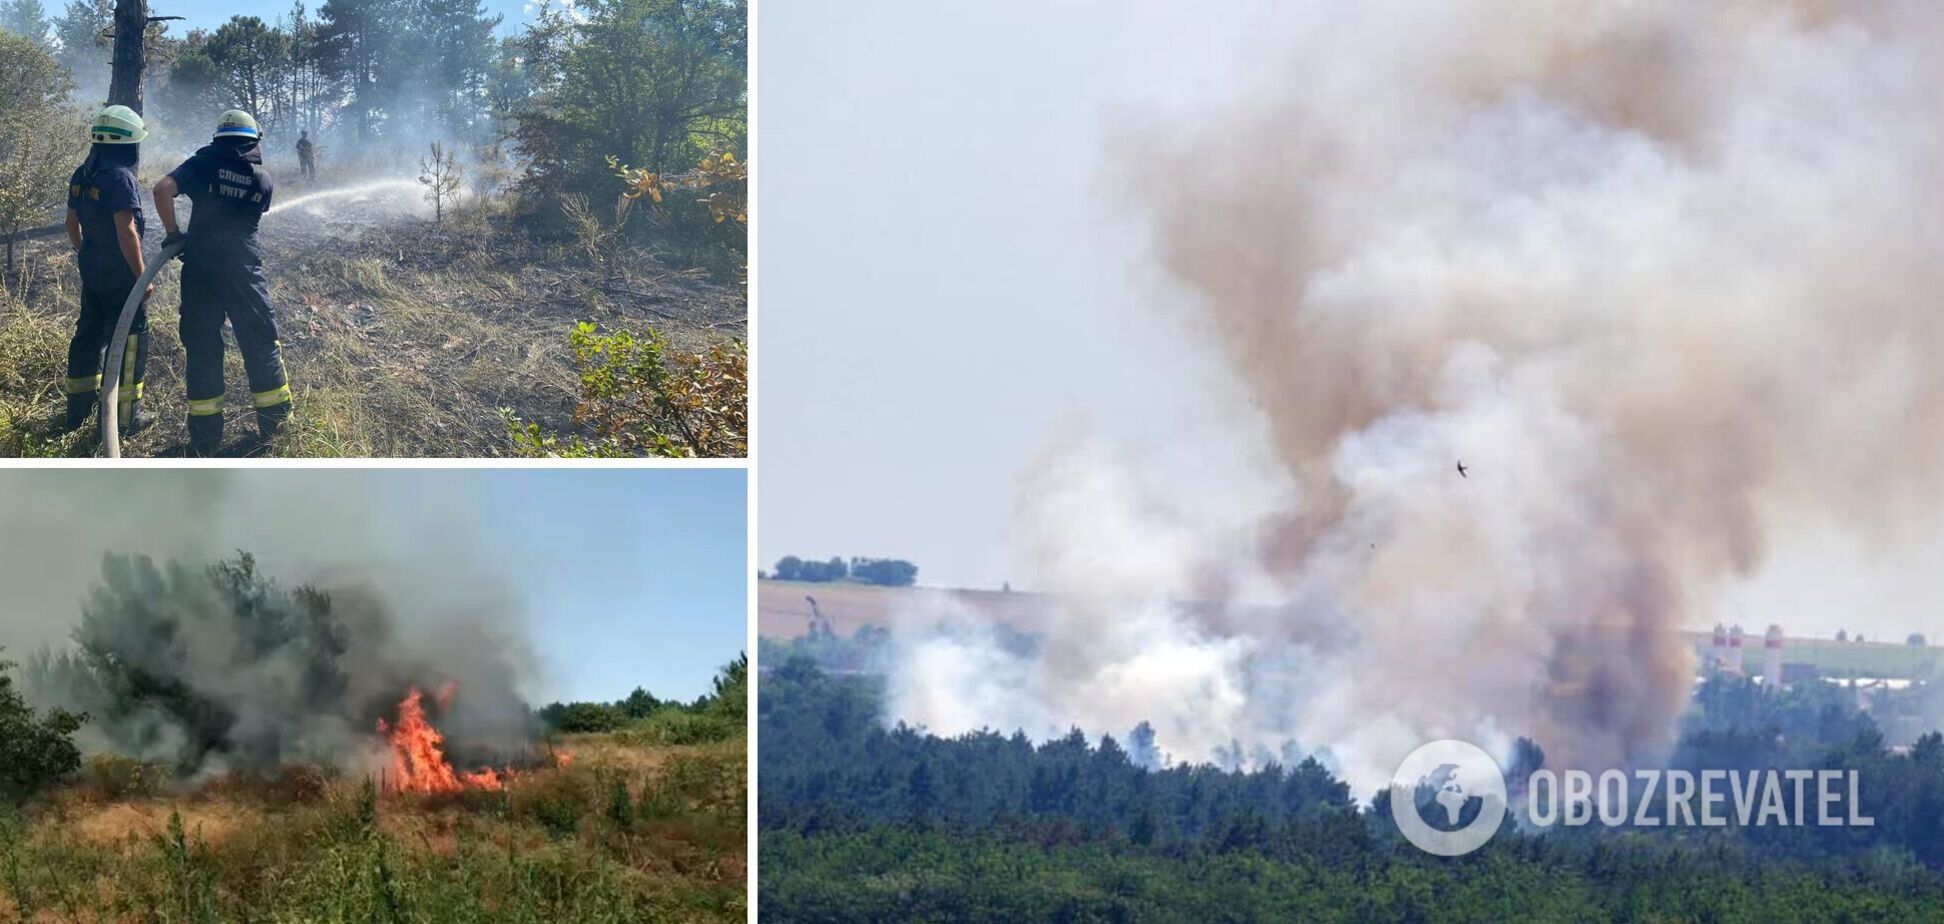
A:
[625,832]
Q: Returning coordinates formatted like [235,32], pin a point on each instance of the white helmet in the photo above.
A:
[236,124]
[118,125]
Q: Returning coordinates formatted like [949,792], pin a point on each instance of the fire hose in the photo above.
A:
[111,384]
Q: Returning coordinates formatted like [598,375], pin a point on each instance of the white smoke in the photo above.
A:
[1659,273]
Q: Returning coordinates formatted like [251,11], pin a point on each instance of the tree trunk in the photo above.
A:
[131,27]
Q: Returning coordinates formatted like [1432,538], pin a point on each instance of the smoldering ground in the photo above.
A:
[1659,273]
[126,595]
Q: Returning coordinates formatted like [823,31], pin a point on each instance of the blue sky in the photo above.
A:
[631,577]
[624,577]
[208,14]
[925,343]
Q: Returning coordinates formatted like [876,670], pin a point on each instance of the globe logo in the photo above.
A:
[1444,778]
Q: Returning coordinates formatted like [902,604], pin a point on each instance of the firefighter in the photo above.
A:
[306,156]
[222,278]
[105,225]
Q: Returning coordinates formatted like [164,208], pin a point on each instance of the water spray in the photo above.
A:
[362,189]
[110,413]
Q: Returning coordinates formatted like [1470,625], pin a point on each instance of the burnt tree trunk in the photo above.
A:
[131,59]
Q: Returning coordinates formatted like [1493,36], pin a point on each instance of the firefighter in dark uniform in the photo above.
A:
[104,223]
[222,278]
[306,156]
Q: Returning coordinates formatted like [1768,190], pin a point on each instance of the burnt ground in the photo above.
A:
[402,337]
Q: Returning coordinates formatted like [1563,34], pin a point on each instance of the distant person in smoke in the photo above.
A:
[104,223]
[222,278]
[306,156]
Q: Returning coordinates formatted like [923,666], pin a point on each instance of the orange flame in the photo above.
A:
[418,751]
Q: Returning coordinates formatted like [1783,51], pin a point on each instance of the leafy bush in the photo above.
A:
[719,715]
[557,802]
[579,718]
[639,397]
[36,750]
[40,139]
[681,725]
[116,777]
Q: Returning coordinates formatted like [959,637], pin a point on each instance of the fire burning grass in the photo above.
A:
[624,833]
[418,751]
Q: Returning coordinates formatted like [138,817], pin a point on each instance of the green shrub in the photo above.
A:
[683,725]
[117,777]
[640,397]
[36,751]
[557,802]
[581,718]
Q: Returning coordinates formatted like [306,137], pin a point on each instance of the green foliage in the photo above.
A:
[640,397]
[116,777]
[78,30]
[40,139]
[863,822]
[792,568]
[620,807]
[384,70]
[719,715]
[36,750]
[884,572]
[577,718]
[252,65]
[660,84]
[557,803]
[640,704]
[441,175]
[27,19]
[138,658]
[890,873]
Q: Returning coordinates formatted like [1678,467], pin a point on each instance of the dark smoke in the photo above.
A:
[351,588]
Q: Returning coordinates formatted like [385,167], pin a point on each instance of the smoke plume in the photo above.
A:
[135,602]
[1658,273]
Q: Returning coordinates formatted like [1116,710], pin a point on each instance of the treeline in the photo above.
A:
[373,72]
[884,572]
[1080,828]
[907,874]
[659,86]
[718,715]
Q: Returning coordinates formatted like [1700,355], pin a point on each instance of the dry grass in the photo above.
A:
[560,844]
[402,339]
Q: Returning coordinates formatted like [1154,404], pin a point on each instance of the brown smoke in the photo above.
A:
[1660,273]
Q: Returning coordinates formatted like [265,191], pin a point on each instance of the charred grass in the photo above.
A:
[623,834]
[401,338]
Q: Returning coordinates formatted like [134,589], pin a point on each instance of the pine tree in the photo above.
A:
[28,19]
[78,32]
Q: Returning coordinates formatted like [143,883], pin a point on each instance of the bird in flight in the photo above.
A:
[1462,469]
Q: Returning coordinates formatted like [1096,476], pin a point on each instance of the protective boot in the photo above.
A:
[271,419]
[133,419]
[79,409]
[205,434]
